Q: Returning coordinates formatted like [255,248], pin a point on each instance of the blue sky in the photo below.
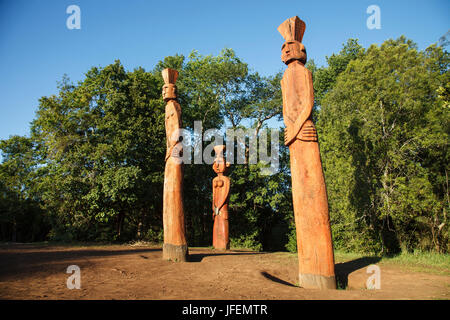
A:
[36,47]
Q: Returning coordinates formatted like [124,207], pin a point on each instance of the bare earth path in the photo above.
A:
[138,272]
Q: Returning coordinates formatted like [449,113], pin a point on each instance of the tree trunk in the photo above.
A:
[141,225]
[120,219]
[14,231]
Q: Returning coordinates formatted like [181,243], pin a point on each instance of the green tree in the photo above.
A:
[103,151]
[102,144]
[21,218]
[384,141]
[324,78]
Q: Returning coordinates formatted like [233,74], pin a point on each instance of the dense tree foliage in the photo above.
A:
[384,133]
[92,168]
[21,218]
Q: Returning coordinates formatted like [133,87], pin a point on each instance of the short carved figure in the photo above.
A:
[221,191]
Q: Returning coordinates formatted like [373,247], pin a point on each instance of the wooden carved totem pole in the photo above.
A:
[221,191]
[175,246]
[312,221]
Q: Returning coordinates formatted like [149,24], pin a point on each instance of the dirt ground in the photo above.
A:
[29,271]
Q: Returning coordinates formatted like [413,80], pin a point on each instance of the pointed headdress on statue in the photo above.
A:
[292,29]
[170,76]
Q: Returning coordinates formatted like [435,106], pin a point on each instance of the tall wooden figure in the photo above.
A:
[312,221]
[221,191]
[175,246]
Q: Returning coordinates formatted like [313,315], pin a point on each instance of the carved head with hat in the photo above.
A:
[170,76]
[293,49]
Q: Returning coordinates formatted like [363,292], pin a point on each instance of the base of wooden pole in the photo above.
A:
[315,281]
[221,248]
[176,253]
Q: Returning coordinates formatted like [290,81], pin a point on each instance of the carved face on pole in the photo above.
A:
[293,50]
[220,166]
[170,76]
[169,92]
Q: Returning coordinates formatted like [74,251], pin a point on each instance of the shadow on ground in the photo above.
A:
[30,258]
[342,270]
[198,257]
[275,279]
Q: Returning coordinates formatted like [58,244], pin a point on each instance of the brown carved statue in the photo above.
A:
[312,221]
[221,191]
[175,245]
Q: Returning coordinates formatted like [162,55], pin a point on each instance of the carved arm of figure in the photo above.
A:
[225,192]
[172,112]
[173,124]
[214,182]
[221,190]
[292,131]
